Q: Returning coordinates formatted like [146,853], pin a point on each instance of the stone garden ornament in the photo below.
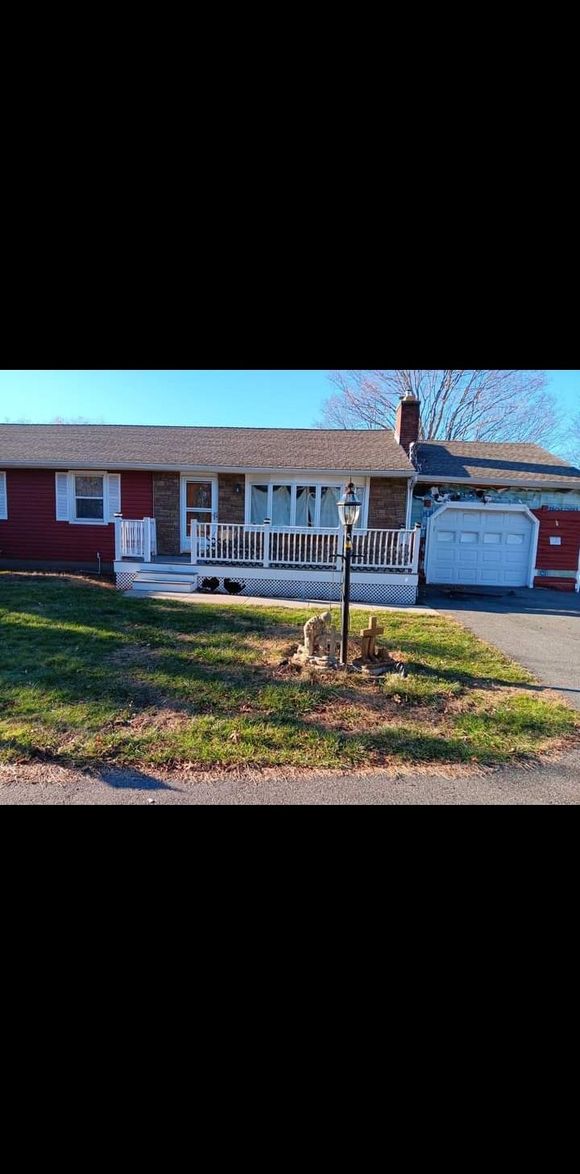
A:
[320,642]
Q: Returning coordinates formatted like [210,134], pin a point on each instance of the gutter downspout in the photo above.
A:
[411,483]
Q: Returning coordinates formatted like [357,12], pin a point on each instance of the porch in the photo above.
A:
[285,562]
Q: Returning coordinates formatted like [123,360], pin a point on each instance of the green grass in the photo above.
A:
[89,677]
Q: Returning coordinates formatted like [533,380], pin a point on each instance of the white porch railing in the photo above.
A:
[135,538]
[222,543]
[395,549]
[262,546]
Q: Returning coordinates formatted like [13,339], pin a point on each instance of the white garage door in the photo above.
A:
[487,546]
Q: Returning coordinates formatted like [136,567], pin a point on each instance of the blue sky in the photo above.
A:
[238,398]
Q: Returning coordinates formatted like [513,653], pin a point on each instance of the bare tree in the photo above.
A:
[573,446]
[455,405]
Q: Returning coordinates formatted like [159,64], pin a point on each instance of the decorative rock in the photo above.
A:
[382,663]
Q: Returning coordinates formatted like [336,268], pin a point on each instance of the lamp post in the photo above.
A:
[348,512]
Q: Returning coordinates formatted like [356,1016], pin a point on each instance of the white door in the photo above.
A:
[198,504]
[489,546]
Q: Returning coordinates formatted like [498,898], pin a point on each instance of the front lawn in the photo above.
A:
[89,677]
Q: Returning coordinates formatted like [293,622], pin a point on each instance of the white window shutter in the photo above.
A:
[3,497]
[114,481]
[62,497]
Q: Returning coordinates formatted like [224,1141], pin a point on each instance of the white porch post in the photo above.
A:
[147,539]
[118,520]
[266,555]
[194,543]
[416,547]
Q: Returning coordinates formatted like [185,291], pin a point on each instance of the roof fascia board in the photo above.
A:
[520,483]
[114,465]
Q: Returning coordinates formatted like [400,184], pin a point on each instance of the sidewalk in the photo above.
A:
[297,604]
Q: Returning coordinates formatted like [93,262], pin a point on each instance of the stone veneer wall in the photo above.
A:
[231,505]
[166,508]
[387,504]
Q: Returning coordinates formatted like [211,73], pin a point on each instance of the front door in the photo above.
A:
[198,504]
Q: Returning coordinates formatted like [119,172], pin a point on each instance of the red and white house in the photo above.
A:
[165,507]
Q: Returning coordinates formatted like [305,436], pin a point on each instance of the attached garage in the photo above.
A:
[491,545]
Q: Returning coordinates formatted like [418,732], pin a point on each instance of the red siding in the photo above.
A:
[563,524]
[32,532]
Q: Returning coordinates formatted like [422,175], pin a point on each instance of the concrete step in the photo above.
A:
[165,577]
[149,587]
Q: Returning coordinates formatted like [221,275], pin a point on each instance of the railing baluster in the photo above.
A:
[300,546]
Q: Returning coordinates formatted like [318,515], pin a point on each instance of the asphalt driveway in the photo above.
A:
[540,629]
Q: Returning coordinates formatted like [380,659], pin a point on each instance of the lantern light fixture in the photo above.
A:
[349,507]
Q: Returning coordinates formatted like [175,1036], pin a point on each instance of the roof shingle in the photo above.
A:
[488,461]
[121,446]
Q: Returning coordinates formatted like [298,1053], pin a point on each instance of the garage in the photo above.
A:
[491,545]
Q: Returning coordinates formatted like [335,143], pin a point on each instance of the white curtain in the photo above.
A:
[305,505]
[259,505]
[329,495]
[281,498]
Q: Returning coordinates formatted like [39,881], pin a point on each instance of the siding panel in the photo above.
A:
[565,525]
[32,531]
[562,524]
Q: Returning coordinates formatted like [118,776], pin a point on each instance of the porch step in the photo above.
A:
[166,577]
[167,588]
[149,582]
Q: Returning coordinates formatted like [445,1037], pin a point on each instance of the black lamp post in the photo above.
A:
[348,512]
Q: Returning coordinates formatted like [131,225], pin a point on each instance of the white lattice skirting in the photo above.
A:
[398,590]
[404,594]
[125,580]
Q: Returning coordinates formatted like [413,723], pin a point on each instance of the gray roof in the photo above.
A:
[472,460]
[121,446]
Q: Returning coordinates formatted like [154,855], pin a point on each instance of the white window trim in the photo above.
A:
[72,500]
[294,482]
[4,480]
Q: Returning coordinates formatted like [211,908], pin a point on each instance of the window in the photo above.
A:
[298,505]
[3,497]
[89,497]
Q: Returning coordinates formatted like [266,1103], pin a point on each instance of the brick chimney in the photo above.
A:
[407,421]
